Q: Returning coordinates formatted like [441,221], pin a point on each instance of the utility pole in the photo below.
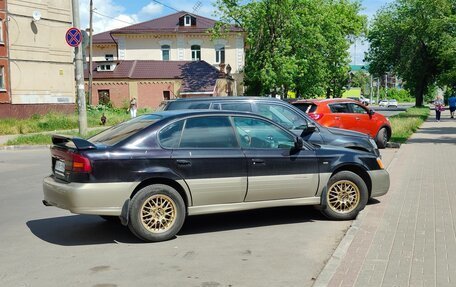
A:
[378,88]
[386,85]
[371,89]
[79,75]
[90,52]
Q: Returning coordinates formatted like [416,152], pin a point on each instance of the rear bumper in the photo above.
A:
[87,198]
[380,182]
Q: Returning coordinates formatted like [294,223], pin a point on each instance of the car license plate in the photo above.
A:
[59,167]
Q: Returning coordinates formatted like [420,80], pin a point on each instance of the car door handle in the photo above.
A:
[257,161]
[337,118]
[357,119]
[182,162]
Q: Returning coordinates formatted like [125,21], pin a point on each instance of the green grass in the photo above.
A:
[55,121]
[45,138]
[403,125]
[406,123]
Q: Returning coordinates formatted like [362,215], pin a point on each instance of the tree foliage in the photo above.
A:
[415,39]
[299,45]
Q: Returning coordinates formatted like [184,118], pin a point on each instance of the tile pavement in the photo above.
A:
[407,237]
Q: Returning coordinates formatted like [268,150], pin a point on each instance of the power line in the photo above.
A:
[112,17]
[167,6]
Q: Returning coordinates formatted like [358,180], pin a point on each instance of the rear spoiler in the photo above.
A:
[69,141]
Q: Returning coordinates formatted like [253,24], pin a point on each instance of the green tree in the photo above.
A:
[360,79]
[415,40]
[299,45]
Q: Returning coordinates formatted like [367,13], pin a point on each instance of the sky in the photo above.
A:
[112,14]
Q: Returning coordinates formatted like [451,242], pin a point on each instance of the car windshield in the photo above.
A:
[122,131]
[282,115]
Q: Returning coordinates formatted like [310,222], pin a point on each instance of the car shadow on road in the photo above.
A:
[373,201]
[249,219]
[75,230]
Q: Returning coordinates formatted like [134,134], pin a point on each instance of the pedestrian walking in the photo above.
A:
[452,104]
[438,106]
[133,107]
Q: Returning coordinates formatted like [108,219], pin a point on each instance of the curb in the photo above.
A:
[24,147]
[393,145]
[324,278]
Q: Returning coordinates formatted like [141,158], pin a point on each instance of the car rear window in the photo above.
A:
[122,131]
[306,107]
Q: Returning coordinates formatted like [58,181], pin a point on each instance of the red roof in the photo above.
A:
[102,38]
[197,76]
[166,24]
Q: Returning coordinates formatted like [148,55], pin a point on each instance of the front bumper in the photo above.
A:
[87,198]
[380,182]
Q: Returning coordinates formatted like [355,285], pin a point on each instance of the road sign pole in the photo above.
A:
[79,75]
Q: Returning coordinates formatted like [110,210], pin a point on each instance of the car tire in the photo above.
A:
[157,213]
[381,139]
[345,196]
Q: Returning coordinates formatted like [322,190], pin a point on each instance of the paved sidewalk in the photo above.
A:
[408,237]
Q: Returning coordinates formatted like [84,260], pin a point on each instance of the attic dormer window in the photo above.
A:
[106,67]
[187,20]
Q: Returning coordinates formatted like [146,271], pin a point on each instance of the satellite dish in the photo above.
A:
[36,15]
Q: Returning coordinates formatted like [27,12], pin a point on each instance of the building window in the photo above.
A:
[166,95]
[187,20]
[1,31]
[109,57]
[196,52]
[2,78]
[220,54]
[103,97]
[106,67]
[165,52]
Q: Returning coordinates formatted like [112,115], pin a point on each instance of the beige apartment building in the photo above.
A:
[181,36]
[41,70]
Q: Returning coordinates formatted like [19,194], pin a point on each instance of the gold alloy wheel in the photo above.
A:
[158,213]
[343,196]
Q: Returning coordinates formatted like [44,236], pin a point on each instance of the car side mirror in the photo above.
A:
[371,112]
[299,143]
[311,127]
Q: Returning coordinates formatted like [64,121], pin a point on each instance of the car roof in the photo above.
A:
[184,113]
[326,101]
[231,98]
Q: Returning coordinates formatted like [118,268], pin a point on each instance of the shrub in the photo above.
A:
[400,95]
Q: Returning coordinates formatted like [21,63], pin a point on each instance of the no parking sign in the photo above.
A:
[73,37]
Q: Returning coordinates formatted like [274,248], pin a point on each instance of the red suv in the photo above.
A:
[348,114]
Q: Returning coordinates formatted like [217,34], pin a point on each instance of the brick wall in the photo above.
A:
[150,94]
[118,92]
[25,111]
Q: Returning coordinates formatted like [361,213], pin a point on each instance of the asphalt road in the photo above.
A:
[47,246]
[388,112]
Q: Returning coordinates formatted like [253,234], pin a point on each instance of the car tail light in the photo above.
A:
[315,116]
[80,163]
[380,163]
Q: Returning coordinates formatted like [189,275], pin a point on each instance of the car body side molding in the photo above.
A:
[231,207]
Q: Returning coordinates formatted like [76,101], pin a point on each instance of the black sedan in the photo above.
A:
[155,170]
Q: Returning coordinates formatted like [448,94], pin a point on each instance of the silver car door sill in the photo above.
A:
[215,208]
